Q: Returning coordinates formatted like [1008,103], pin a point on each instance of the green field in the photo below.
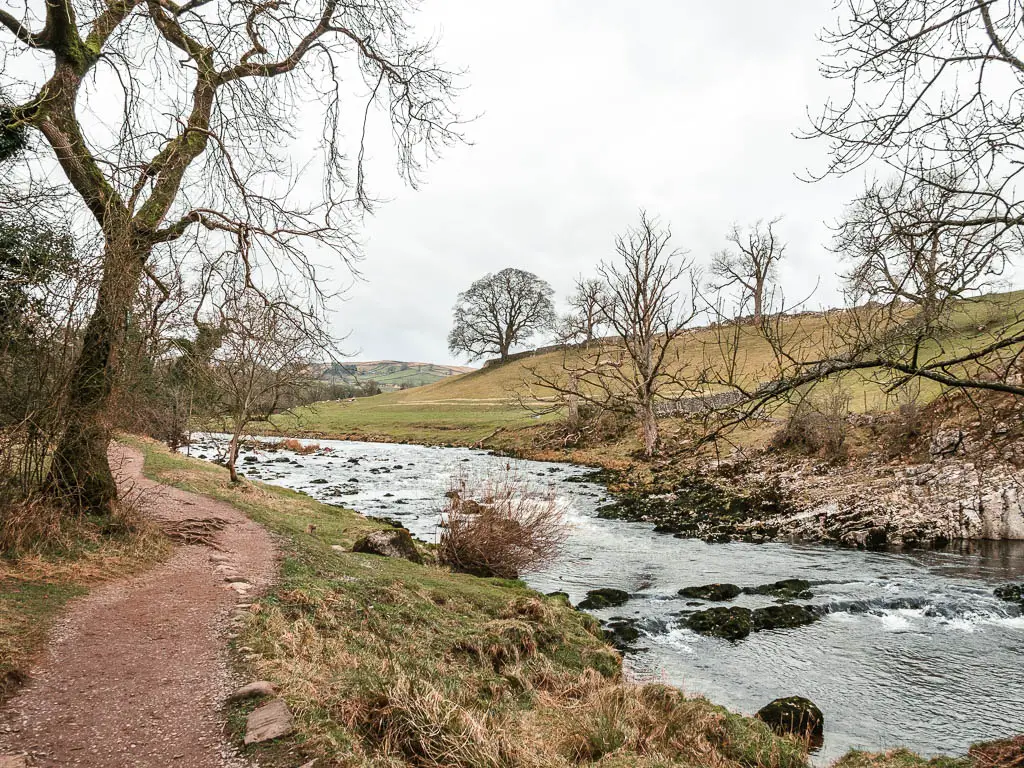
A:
[391,373]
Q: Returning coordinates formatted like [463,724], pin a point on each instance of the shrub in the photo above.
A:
[500,527]
[817,426]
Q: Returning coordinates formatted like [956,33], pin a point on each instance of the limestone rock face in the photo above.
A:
[870,507]
[395,542]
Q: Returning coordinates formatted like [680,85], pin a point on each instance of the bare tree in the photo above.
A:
[752,265]
[902,249]
[649,296]
[500,311]
[586,319]
[933,93]
[200,106]
[932,85]
[267,353]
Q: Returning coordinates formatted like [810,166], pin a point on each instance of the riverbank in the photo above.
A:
[947,471]
[388,662]
[868,602]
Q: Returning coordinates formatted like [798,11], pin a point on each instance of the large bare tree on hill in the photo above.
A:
[500,311]
[902,249]
[175,123]
[586,319]
[751,264]
[649,295]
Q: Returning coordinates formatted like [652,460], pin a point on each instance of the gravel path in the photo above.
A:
[135,672]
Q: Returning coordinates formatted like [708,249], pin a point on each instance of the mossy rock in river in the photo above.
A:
[782,617]
[713,592]
[1011,593]
[728,623]
[795,716]
[606,597]
[789,589]
[621,633]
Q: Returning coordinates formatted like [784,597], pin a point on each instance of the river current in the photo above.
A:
[914,650]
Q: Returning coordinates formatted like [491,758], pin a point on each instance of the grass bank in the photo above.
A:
[389,663]
[38,580]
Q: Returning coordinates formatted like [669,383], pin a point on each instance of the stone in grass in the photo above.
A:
[1011,593]
[789,589]
[394,542]
[794,716]
[253,690]
[271,721]
[727,623]
[606,597]
[713,592]
[13,761]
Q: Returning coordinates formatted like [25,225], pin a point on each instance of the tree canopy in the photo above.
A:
[500,311]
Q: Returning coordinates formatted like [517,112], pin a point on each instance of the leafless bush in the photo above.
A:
[902,428]
[817,426]
[500,526]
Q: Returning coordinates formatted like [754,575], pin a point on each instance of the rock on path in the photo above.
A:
[135,672]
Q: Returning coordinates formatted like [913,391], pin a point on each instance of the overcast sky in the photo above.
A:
[589,111]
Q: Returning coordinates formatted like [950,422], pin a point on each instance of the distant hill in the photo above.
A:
[392,374]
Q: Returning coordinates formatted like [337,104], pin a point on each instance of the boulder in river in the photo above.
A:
[795,716]
[782,616]
[789,589]
[606,597]
[1011,593]
[713,592]
[621,633]
[727,623]
[394,542]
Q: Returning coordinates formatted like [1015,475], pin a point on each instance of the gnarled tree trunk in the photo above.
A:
[80,474]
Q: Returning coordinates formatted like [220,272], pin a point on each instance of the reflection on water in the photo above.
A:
[913,650]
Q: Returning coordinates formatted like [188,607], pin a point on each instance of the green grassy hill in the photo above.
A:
[467,408]
[392,373]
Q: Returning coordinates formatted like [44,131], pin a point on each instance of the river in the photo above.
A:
[915,650]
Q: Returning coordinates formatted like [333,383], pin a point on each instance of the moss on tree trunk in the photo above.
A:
[80,475]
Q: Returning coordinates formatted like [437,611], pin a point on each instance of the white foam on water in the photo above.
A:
[901,619]
[680,640]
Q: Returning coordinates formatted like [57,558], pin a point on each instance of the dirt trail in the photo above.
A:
[135,672]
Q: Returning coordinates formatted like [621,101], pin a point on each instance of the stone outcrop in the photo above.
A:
[393,542]
[712,592]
